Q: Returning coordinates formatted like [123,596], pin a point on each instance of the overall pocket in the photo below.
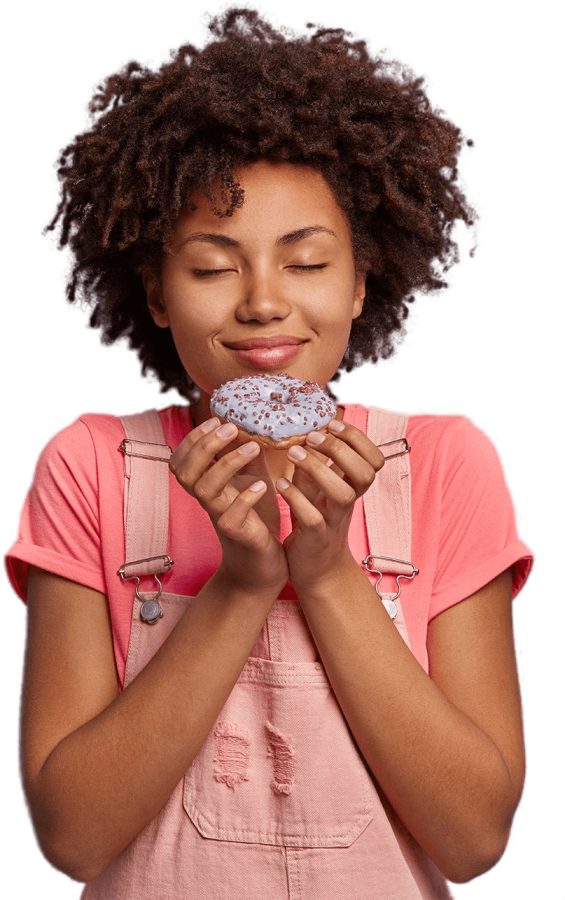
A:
[280,766]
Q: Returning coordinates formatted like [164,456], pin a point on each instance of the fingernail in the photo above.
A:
[227,430]
[316,437]
[336,426]
[248,448]
[209,425]
[297,453]
[258,486]
[282,484]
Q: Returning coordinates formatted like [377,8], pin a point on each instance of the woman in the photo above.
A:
[307,201]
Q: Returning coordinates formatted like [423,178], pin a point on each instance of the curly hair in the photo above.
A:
[255,93]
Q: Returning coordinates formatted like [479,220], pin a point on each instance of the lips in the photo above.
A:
[268,352]
[275,340]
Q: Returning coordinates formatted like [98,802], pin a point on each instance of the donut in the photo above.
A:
[276,409]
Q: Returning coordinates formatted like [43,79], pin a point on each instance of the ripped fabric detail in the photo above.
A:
[282,753]
[231,758]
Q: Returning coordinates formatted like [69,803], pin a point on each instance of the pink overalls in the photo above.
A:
[279,803]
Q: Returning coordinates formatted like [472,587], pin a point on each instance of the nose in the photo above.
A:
[262,300]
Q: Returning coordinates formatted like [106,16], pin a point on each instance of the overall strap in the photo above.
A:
[387,503]
[146,495]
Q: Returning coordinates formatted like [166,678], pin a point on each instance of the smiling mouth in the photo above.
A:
[266,343]
[264,353]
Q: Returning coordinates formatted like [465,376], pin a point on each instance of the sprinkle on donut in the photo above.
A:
[276,408]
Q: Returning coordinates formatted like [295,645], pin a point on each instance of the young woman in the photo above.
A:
[269,727]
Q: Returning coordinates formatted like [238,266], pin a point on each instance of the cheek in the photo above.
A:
[333,308]
[186,315]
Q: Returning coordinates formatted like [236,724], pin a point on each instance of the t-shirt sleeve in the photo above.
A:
[59,527]
[478,538]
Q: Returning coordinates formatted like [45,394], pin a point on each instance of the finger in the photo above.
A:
[240,522]
[191,438]
[358,441]
[256,467]
[354,455]
[338,496]
[217,486]
[306,514]
[200,475]
[200,446]
[306,484]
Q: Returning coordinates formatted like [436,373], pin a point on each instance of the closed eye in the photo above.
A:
[204,273]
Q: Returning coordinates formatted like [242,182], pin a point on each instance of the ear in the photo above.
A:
[152,285]
[359,294]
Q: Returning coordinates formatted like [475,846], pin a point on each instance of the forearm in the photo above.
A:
[444,776]
[107,779]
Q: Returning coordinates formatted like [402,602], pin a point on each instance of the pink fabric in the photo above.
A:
[265,810]
[463,528]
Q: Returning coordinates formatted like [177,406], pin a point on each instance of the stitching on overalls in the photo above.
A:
[282,753]
[231,758]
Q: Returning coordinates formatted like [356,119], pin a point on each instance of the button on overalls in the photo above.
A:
[279,803]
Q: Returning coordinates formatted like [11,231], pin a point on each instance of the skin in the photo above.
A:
[291,271]
[446,748]
[274,281]
[255,293]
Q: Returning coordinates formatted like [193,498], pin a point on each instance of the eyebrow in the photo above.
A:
[212,237]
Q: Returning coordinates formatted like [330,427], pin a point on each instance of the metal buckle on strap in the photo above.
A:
[367,562]
[124,449]
[407,449]
[150,608]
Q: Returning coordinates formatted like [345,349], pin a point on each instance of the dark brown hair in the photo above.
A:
[255,93]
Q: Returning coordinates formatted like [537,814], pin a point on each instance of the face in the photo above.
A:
[272,288]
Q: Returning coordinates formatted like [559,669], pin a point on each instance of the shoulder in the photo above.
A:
[436,437]
[453,447]
[433,430]
[449,454]
[76,447]
[79,454]
[91,440]
[454,431]
[93,430]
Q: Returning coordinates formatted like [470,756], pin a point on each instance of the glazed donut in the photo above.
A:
[275,409]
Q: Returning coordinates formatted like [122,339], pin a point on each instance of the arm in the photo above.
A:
[99,765]
[447,749]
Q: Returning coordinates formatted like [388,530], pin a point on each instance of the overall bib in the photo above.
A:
[279,803]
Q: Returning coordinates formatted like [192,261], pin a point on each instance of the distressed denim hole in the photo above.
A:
[282,753]
[231,758]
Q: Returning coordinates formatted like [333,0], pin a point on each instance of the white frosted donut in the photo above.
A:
[273,408]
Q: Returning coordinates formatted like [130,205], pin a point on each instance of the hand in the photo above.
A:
[237,493]
[321,500]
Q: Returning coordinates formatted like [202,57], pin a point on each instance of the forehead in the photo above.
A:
[279,198]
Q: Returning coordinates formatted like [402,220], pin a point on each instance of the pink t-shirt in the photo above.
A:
[463,528]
